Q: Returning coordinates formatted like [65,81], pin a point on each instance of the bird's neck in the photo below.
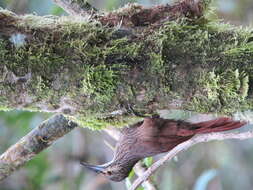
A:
[126,165]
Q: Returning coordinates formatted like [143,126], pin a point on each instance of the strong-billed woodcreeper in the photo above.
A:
[153,136]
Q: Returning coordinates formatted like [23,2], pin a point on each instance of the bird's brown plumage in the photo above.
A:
[153,136]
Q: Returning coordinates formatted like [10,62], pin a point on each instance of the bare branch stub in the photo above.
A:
[33,143]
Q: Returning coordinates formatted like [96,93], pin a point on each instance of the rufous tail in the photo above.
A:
[218,125]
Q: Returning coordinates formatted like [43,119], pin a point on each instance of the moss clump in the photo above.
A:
[182,41]
[156,64]
[244,49]
[3,49]
[195,59]
[221,92]
[241,54]
[123,52]
[203,44]
[100,82]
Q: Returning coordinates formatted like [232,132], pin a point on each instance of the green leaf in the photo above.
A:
[148,161]
[55,10]
[131,174]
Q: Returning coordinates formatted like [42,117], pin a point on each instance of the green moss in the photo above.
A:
[199,48]
[3,49]
[241,50]
[244,88]
[202,44]
[181,40]
[222,92]
[123,48]
[100,82]
[51,55]
[153,79]
[183,61]
[241,55]
[156,64]
[95,123]
[4,108]
[99,62]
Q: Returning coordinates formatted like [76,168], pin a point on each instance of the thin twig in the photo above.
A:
[186,145]
[140,170]
[33,143]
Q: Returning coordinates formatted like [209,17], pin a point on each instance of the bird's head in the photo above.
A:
[112,171]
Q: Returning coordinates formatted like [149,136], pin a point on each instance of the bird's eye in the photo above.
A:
[109,172]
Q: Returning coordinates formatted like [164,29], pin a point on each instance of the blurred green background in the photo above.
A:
[210,166]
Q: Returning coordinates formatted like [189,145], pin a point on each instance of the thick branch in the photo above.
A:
[33,143]
[104,75]
[186,145]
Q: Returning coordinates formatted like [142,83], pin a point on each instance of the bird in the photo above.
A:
[152,136]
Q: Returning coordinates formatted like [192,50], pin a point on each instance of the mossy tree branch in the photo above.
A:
[99,73]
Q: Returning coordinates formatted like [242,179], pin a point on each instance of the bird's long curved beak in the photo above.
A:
[95,168]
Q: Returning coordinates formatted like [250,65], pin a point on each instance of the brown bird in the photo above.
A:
[153,136]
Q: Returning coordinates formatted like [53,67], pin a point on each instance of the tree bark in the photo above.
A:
[33,143]
[109,74]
